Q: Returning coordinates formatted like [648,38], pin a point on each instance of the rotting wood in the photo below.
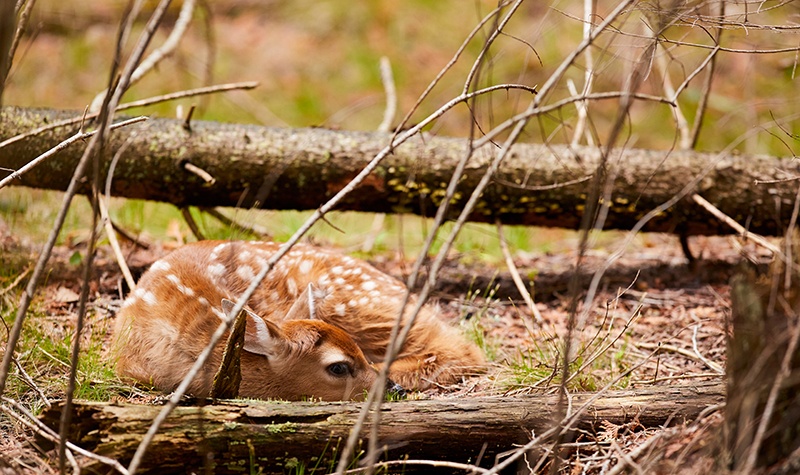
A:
[248,436]
[302,168]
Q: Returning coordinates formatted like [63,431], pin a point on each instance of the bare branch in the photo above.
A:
[130,105]
[66,143]
[391,95]
[185,16]
[760,240]
[512,268]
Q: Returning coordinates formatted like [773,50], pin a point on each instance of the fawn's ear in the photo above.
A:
[305,307]
[261,336]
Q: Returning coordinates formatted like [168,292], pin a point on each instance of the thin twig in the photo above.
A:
[66,412]
[200,91]
[190,221]
[637,312]
[512,268]
[204,175]
[669,91]
[487,44]
[385,126]
[112,239]
[22,25]
[700,356]
[16,281]
[681,351]
[639,450]
[391,95]
[166,49]
[597,204]
[64,144]
[744,233]
[252,229]
[588,79]
[131,105]
[553,186]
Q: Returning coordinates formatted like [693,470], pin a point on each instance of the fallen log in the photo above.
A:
[269,437]
[215,164]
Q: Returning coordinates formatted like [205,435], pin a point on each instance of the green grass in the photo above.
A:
[43,351]
[600,358]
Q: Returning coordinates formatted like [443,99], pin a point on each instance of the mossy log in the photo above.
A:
[278,168]
[252,436]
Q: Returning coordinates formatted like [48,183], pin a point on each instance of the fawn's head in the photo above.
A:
[302,357]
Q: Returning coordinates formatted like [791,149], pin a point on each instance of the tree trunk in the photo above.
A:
[302,168]
[249,436]
[764,315]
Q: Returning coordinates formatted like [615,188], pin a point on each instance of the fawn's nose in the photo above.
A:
[395,390]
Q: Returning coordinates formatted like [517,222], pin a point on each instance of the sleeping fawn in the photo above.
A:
[317,326]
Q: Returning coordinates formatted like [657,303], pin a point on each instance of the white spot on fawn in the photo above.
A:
[203,301]
[146,295]
[182,288]
[246,273]
[339,309]
[216,269]
[160,266]
[217,249]
[305,266]
[363,301]
[291,286]
[262,263]
[369,285]
[165,330]
[336,270]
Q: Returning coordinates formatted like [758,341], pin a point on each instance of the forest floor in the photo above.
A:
[655,320]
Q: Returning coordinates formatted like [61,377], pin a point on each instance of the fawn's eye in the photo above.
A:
[340,369]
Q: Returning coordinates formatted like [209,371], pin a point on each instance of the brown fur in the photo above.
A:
[356,303]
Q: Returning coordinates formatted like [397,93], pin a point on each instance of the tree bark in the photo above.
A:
[302,168]
[249,436]
[764,319]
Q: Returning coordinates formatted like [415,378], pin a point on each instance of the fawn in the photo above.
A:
[165,323]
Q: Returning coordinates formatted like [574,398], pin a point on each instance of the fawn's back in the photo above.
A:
[167,321]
